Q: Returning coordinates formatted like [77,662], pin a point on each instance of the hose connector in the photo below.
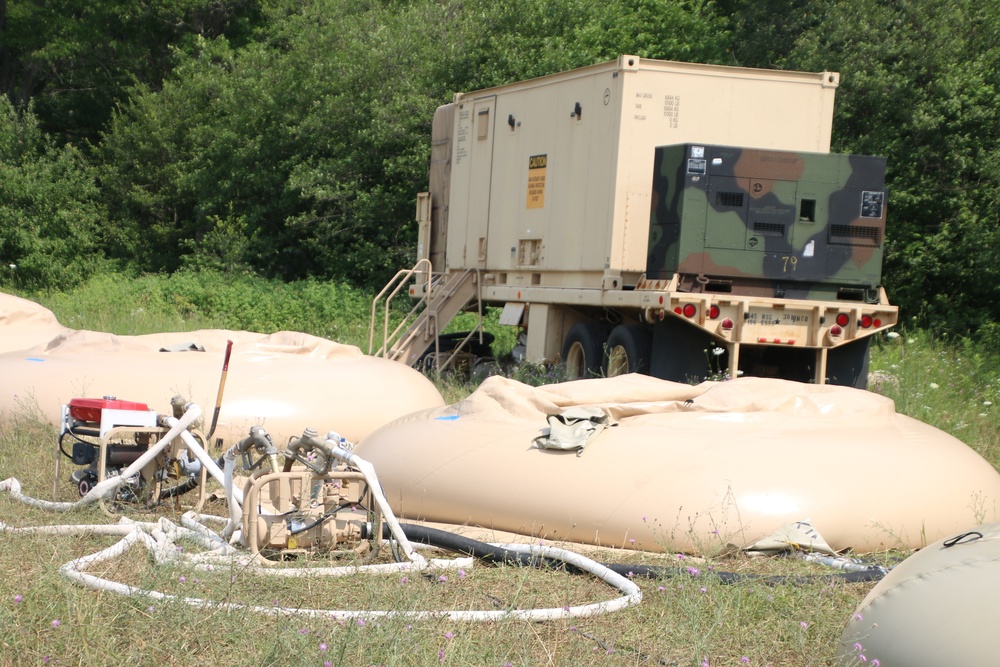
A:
[311,452]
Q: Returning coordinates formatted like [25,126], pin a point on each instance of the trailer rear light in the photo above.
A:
[689,310]
[777,341]
[836,330]
[713,313]
[727,324]
[677,310]
[877,322]
[843,319]
[866,321]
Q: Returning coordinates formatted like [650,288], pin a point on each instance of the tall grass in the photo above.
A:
[690,619]
[186,301]
[953,385]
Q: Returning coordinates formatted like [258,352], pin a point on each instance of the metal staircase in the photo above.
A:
[441,298]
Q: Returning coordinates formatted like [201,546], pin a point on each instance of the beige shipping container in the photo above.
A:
[550,179]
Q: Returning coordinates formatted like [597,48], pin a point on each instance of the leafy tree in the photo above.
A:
[49,218]
[921,85]
[310,144]
[200,152]
[76,60]
[496,43]
[764,32]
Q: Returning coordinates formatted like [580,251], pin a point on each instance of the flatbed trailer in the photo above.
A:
[670,218]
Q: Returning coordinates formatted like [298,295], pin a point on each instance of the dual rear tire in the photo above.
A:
[589,351]
[628,351]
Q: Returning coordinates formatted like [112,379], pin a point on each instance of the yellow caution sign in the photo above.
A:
[536,180]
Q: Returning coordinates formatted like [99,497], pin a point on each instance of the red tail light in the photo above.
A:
[689,310]
[713,313]
[843,319]
[836,330]
[866,321]
[727,324]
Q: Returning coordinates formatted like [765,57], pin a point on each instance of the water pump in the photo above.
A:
[104,436]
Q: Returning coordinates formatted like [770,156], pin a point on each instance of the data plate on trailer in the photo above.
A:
[786,326]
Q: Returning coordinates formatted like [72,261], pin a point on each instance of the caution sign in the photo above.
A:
[536,180]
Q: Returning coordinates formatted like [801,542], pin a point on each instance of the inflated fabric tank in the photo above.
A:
[938,607]
[681,467]
[285,381]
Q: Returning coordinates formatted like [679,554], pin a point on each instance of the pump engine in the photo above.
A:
[108,435]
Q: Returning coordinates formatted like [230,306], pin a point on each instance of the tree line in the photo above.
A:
[288,138]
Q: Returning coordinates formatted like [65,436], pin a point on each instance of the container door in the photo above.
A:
[472,167]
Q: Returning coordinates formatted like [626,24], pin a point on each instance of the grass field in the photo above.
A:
[691,618]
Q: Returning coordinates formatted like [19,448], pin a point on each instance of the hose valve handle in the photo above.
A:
[310,452]
[260,441]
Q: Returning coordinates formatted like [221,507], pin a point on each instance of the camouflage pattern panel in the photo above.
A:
[768,223]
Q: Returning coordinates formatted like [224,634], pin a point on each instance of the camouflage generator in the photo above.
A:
[768,223]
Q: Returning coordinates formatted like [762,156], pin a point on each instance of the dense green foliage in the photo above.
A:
[49,212]
[921,85]
[76,60]
[288,139]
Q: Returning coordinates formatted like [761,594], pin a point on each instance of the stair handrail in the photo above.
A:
[396,283]
[444,291]
[439,290]
[476,329]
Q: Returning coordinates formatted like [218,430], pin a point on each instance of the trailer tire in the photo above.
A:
[629,349]
[583,350]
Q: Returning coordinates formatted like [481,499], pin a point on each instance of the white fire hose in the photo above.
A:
[160,539]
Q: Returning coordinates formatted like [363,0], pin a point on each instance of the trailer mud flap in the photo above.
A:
[847,365]
[679,351]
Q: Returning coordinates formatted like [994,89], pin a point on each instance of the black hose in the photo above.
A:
[319,521]
[494,554]
[463,545]
[658,572]
[70,432]
[190,484]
